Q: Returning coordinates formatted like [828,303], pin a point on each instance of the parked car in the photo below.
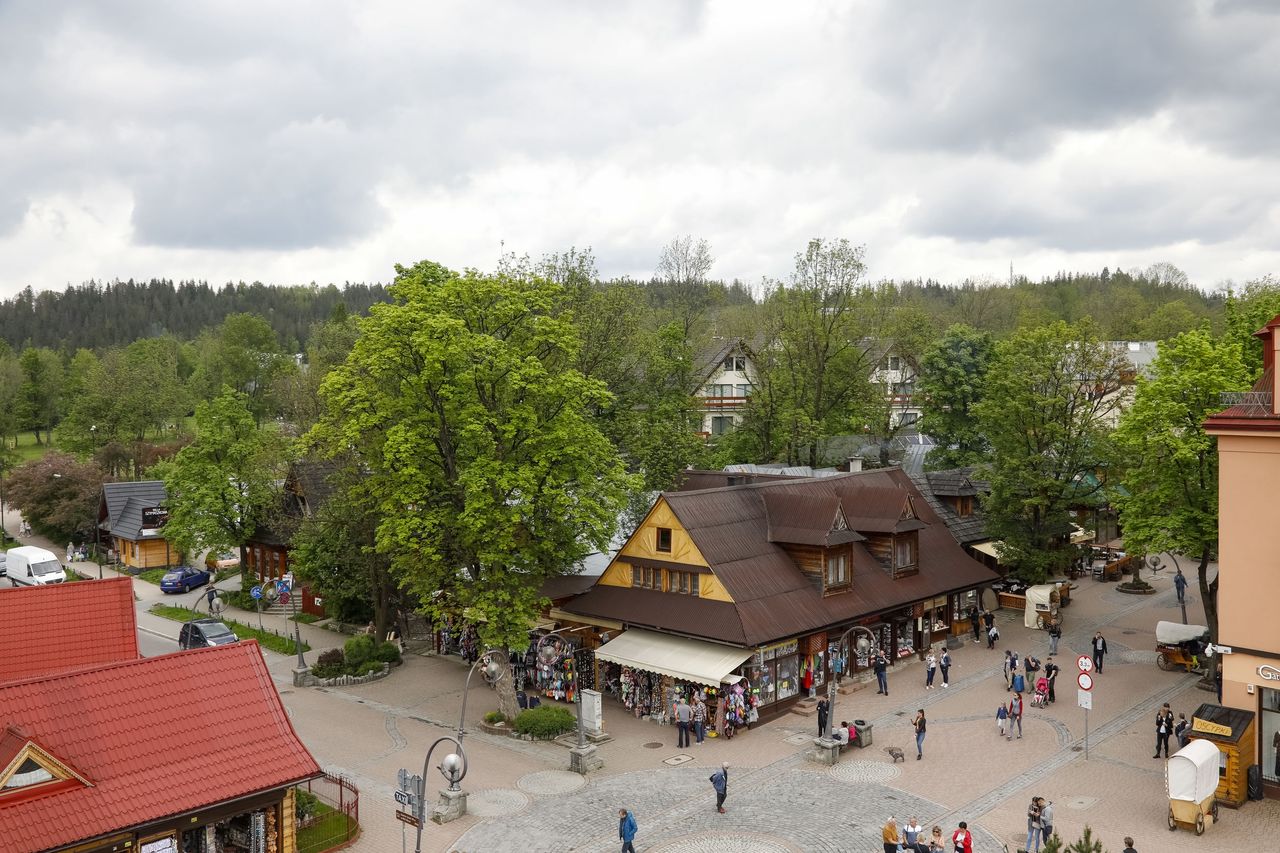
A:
[224,560]
[4,564]
[184,579]
[199,633]
[31,566]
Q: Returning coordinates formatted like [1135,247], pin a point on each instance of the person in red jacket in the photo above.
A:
[962,838]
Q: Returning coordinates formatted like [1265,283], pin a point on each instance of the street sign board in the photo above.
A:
[1084,699]
[256,592]
[283,586]
[404,798]
[405,817]
[284,598]
[1085,680]
[1084,663]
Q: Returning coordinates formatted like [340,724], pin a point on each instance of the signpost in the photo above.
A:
[412,795]
[1085,697]
[256,592]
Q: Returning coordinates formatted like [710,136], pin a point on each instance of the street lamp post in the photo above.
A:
[582,758]
[826,747]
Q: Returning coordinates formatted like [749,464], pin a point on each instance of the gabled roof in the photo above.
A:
[807,520]
[955,482]
[115,725]
[772,598]
[125,503]
[47,629]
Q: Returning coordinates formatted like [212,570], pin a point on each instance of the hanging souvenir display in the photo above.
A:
[584,661]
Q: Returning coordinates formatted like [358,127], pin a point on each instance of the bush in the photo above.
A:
[387,653]
[305,804]
[369,667]
[544,721]
[328,670]
[331,657]
[359,649]
[495,717]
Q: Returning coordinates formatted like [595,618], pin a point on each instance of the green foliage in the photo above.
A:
[952,373]
[331,657]
[544,721]
[369,667]
[1170,502]
[488,476]
[39,398]
[305,804]
[387,653]
[1086,843]
[359,649]
[495,717]
[1247,312]
[58,494]
[1052,844]
[1046,402]
[242,354]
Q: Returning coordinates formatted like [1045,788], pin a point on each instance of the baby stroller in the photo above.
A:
[1041,698]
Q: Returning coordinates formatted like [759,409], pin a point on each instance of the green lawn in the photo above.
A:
[152,575]
[283,645]
[306,618]
[330,828]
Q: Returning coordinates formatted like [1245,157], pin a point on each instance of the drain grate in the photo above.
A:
[1128,632]
[654,745]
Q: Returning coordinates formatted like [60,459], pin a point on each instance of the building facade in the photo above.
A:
[131,517]
[729,375]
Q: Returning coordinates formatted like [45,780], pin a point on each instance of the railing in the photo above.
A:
[1246,398]
[328,812]
[723,402]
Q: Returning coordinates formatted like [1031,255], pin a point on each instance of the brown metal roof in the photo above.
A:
[664,611]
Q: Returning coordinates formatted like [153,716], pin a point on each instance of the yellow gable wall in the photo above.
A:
[644,544]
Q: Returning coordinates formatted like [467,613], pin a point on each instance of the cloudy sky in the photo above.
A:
[292,142]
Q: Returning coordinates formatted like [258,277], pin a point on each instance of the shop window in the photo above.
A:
[837,570]
[664,540]
[1270,734]
[646,577]
[963,602]
[788,677]
[904,638]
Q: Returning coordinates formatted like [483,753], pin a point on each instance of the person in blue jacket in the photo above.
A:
[627,830]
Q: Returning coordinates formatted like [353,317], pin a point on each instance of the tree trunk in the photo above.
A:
[506,687]
[1208,596]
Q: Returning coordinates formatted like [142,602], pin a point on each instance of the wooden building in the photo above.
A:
[131,516]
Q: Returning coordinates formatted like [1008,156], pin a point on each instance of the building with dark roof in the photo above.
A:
[754,581]
[132,515]
[727,375]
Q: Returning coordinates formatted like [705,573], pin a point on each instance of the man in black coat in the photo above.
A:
[1099,651]
[824,707]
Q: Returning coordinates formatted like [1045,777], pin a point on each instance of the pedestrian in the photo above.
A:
[1099,651]
[1164,728]
[1128,845]
[993,634]
[1055,634]
[1180,732]
[1009,667]
[1033,826]
[1002,718]
[962,838]
[684,716]
[824,709]
[627,830]
[699,719]
[720,781]
[1051,671]
[974,619]
[912,833]
[1180,584]
[989,620]
[944,663]
[930,667]
[882,673]
[1046,820]
[891,836]
[919,724]
[936,843]
[1015,715]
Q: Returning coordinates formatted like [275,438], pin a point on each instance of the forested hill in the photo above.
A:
[114,314]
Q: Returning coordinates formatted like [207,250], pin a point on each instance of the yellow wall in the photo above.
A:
[288,832]
[151,553]
[643,544]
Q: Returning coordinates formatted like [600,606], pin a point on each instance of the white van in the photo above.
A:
[32,566]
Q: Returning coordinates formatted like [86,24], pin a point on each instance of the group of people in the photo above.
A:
[1030,672]
[932,664]
[1166,727]
[691,719]
[984,621]
[912,838]
[1039,823]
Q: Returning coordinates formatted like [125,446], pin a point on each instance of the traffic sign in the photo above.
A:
[256,592]
[1085,680]
[405,817]
[1085,663]
[404,798]
[1085,700]
[284,598]
[283,586]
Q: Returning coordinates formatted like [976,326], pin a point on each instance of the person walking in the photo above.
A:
[1099,651]
[1033,826]
[1015,715]
[919,724]
[1002,718]
[962,838]
[1180,584]
[699,719]
[882,673]
[1009,667]
[1164,728]
[992,635]
[1051,670]
[944,663]
[974,619]
[824,709]
[684,716]
[1046,820]
[627,830]
[720,781]
[930,667]
[1055,634]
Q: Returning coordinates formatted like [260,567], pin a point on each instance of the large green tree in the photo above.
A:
[1170,500]
[462,404]
[58,494]
[952,373]
[225,484]
[1048,402]
[40,395]
[1247,311]
[244,354]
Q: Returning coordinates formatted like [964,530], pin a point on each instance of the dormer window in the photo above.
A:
[837,573]
[904,554]
[663,543]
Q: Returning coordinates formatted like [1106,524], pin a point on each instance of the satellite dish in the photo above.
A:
[216,607]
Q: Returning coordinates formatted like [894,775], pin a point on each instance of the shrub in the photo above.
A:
[359,649]
[495,717]
[331,657]
[387,653]
[328,670]
[544,721]
[305,804]
[369,667]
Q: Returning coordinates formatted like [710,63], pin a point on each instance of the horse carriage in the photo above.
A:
[1181,646]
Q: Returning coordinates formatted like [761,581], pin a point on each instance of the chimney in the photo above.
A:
[855,464]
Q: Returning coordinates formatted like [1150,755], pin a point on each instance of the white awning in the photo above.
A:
[678,657]
[1079,535]
[988,548]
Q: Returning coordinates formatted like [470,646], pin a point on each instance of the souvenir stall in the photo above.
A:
[884,639]
[249,832]
[555,673]
[904,633]
[456,637]
[935,622]
[961,603]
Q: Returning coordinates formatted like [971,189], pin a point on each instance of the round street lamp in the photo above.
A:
[866,645]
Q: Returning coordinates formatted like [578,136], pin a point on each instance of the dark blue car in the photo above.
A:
[183,579]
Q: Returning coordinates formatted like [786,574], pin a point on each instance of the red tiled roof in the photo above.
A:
[155,737]
[48,629]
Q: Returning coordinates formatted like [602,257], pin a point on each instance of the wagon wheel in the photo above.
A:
[1200,823]
[1173,822]
[1040,621]
[1163,662]
[1214,811]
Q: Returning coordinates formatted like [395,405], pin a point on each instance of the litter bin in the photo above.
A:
[863,729]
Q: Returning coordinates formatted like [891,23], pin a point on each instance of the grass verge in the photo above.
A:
[275,642]
[327,828]
[306,618]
